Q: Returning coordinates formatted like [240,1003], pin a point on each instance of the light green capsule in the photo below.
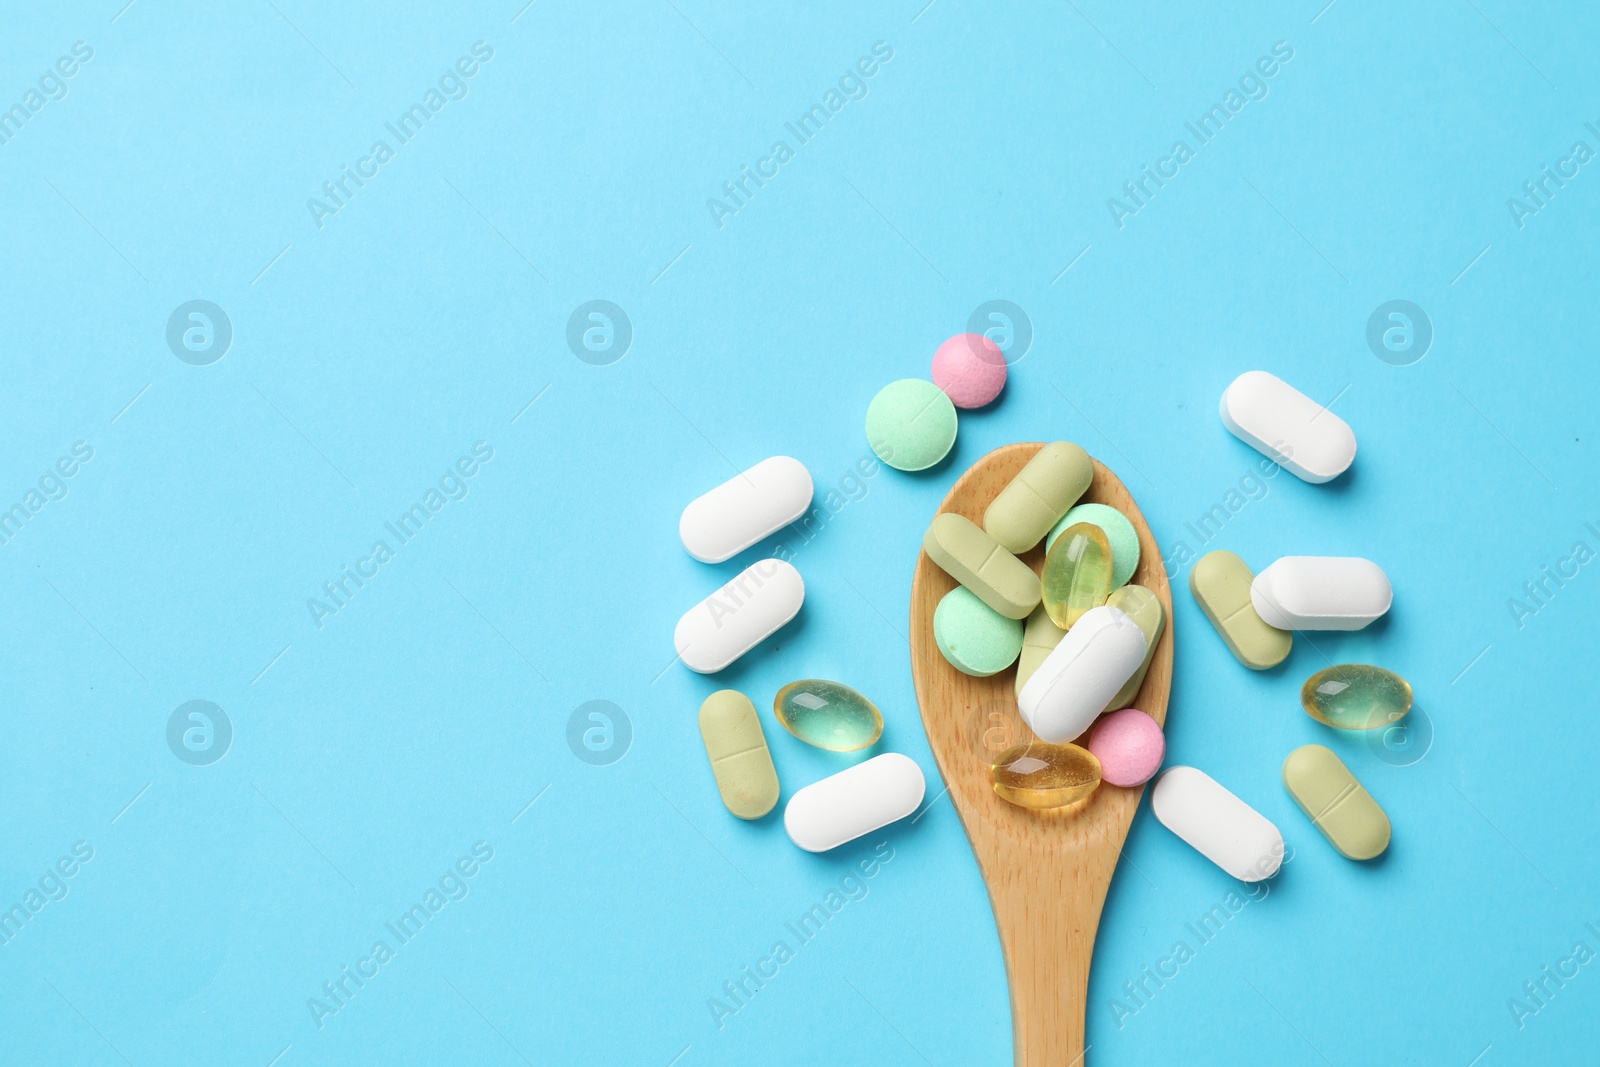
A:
[1356,696]
[829,715]
[1038,496]
[974,559]
[974,638]
[1336,803]
[1144,608]
[1220,582]
[1077,573]
[737,748]
[1039,638]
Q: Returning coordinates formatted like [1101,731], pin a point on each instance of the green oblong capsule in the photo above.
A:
[1220,582]
[737,749]
[1042,492]
[1040,636]
[1336,803]
[1144,608]
[977,561]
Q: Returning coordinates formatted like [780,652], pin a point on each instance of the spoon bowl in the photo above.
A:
[1047,871]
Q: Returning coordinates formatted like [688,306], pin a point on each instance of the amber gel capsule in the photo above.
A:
[1077,573]
[1041,775]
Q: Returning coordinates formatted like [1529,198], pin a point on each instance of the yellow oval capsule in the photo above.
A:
[829,715]
[1335,802]
[1041,775]
[737,748]
[977,561]
[1077,573]
[1356,696]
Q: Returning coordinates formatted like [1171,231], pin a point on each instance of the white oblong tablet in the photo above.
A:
[1285,425]
[739,616]
[1081,674]
[1220,826]
[856,801]
[1321,593]
[722,523]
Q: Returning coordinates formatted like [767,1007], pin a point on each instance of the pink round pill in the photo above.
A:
[1129,746]
[970,369]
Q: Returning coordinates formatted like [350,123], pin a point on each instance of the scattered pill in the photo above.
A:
[1220,582]
[1356,696]
[911,424]
[1336,803]
[720,524]
[1040,635]
[971,370]
[856,801]
[828,715]
[1082,673]
[1129,745]
[1321,593]
[1037,498]
[1077,574]
[972,557]
[1119,532]
[1285,425]
[1144,608]
[739,615]
[737,749]
[1037,775]
[1220,826]
[975,638]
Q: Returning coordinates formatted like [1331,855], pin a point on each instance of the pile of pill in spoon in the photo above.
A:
[1078,636]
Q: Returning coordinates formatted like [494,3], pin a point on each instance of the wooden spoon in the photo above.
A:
[1047,871]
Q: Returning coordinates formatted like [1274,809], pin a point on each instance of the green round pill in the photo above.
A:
[975,638]
[1118,530]
[911,424]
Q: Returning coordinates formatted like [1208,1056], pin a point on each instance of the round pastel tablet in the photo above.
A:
[971,370]
[1118,530]
[975,638]
[911,424]
[1129,746]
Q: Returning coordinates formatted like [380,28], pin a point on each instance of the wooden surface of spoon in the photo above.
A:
[1047,871]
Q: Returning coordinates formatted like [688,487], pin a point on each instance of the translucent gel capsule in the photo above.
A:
[1356,696]
[828,715]
[1077,573]
[1040,775]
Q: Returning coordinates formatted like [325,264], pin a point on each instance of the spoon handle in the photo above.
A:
[1047,912]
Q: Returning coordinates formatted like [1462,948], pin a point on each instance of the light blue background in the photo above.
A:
[425,315]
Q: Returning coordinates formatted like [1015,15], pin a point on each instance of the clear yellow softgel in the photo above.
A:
[1039,775]
[1077,573]
[1356,696]
[828,715]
